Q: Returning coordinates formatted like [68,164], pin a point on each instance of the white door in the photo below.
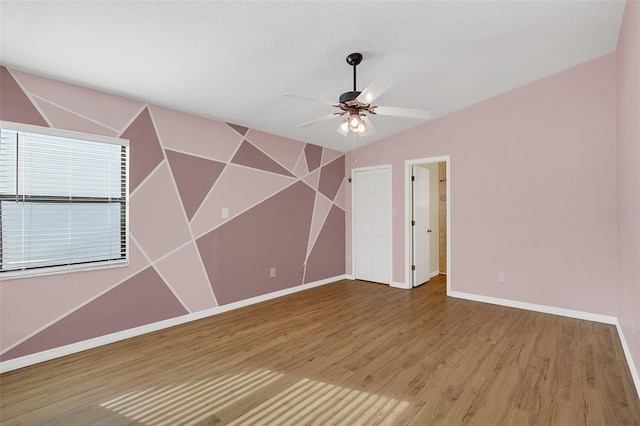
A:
[372,224]
[421,230]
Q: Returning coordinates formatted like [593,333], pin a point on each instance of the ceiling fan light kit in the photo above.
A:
[356,104]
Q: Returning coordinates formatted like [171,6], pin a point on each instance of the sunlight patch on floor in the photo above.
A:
[313,402]
[190,401]
[304,402]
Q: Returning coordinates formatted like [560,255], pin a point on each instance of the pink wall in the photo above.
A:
[628,174]
[286,211]
[533,172]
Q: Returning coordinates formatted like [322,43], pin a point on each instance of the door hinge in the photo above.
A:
[413,267]
[413,178]
[413,223]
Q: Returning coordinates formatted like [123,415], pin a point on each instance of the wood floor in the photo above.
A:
[348,353]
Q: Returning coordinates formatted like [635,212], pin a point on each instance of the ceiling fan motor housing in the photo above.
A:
[348,96]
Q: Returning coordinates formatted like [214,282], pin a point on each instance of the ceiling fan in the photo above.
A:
[357,104]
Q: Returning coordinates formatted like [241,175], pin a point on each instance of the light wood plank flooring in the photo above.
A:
[353,353]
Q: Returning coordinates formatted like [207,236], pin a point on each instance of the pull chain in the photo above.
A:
[353,156]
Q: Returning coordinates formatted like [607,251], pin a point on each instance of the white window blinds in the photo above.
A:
[63,200]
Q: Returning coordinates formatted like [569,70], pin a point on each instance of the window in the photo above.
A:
[63,201]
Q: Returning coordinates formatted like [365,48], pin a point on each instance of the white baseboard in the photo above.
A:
[605,319]
[627,355]
[404,286]
[72,348]
[396,284]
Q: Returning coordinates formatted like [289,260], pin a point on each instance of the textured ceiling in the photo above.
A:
[232,61]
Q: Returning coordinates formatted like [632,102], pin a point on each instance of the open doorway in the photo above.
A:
[428,211]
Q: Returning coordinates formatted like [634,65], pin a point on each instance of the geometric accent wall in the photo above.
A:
[218,213]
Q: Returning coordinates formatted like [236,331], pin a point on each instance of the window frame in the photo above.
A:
[82,266]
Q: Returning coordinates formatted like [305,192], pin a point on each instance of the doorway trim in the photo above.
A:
[408,208]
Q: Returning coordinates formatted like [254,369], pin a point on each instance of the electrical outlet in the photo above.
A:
[272,272]
[500,277]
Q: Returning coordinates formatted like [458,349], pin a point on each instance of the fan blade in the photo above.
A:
[369,129]
[308,100]
[344,131]
[376,88]
[402,112]
[318,120]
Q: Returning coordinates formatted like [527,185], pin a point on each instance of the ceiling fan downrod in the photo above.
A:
[353,59]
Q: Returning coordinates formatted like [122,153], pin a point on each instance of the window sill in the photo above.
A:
[58,270]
